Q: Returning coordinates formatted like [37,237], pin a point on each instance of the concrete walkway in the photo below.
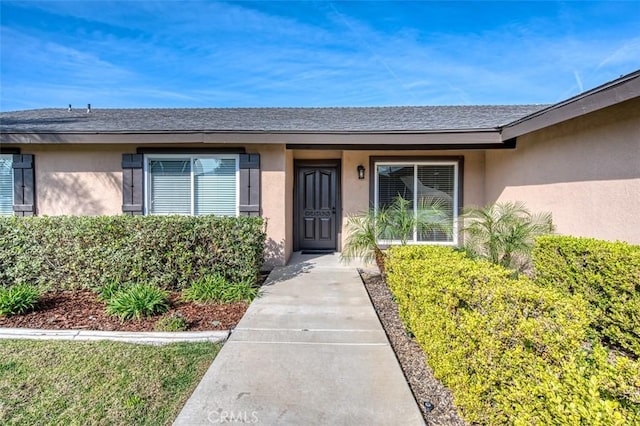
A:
[309,351]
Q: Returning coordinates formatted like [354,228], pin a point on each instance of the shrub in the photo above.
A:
[511,352]
[606,274]
[166,251]
[504,233]
[137,301]
[18,299]
[216,288]
[174,322]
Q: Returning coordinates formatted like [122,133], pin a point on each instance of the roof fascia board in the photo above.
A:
[403,147]
[601,97]
[447,138]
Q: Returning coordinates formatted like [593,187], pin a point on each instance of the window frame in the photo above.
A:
[191,158]
[11,190]
[415,162]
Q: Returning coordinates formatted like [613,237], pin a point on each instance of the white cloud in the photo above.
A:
[40,56]
[629,52]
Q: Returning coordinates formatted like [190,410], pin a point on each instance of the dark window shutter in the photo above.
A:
[249,185]
[132,184]
[23,185]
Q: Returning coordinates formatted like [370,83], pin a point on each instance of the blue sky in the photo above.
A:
[314,53]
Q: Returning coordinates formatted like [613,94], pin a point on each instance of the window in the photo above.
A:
[6,185]
[192,185]
[432,191]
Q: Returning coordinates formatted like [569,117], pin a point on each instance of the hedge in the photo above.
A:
[606,274]
[512,352]
[67,252]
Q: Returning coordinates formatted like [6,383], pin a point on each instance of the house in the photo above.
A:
[307,169]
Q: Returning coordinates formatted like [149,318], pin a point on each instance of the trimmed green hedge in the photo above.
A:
[606,274]
[512,352]
[66,252]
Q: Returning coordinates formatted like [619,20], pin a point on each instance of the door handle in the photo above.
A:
[333,210]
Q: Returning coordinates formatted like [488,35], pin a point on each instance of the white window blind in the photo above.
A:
[435,191]
[215,186]
[170,186]
[193,185]
[6,185]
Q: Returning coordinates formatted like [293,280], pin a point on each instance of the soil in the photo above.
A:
[81,309]
[434,399]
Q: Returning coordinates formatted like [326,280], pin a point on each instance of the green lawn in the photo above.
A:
[62,382]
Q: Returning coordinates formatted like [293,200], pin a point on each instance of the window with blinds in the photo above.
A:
[189,185]
[6,185]
[431,189]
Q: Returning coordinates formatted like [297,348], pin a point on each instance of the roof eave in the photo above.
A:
[242,132]
[462,136]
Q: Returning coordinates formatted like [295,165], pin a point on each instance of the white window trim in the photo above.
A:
[192,158]
[10,157]
[415,165]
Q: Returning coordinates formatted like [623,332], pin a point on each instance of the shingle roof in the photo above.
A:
[344,119]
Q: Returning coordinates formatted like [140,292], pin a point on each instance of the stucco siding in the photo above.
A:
[273,182]
[78,180]
[289,204]
[585,171]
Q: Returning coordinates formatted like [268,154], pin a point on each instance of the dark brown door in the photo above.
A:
[317,202]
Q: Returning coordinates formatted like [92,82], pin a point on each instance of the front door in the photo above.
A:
[316,206]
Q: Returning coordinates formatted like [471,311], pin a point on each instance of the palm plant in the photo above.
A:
[371,230]
[433,217]
[504,233]
[363,239]
[396,221]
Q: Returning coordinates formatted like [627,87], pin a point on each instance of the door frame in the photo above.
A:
[334,163]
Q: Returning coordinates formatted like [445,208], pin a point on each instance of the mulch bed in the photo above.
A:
[81,309]
[428,391]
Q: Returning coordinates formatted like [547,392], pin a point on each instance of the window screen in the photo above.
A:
[170,186]
[431,190]
[215,186]
[6,185]
[193,185]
